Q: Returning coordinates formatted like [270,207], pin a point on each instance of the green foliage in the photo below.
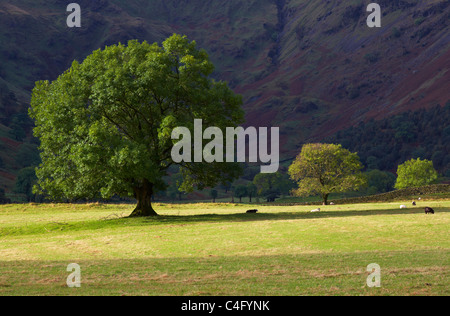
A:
[415,173]
[8,104]
[3,198]
[240,191]
[380,181]
[448,173]
[324,169]
[27,156]
[386,143]
[105,124]
[173,187]
[214,194]
[26,179]
[271,184]
[251,190]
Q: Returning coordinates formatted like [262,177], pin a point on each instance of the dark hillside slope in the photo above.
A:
[310,67]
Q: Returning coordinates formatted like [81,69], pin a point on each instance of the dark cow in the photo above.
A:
[429,210]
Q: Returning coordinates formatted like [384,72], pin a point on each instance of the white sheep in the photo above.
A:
[315,211]
[402,206]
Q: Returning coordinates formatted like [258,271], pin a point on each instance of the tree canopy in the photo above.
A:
[324,169]
[105,124]
[415,173]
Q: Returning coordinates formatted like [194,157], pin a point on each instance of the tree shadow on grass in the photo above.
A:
[189,219]
[179,220]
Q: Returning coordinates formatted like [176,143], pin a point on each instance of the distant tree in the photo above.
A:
[3,198]
[26,179]
[174,190]
[251,191]
[105,125]
[447,173]
[438,158]
[380,181]
[17,132]
[214,195]
[268,184]
[415,173]
[324,169]
[240,192]
[285,184]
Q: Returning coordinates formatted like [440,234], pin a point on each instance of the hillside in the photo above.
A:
[312,68]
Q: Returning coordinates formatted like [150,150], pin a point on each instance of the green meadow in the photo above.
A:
[218,249]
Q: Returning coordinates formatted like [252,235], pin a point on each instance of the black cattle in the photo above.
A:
[429,210]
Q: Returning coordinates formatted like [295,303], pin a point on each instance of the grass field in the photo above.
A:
[217,249]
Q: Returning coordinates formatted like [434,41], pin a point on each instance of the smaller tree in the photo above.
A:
[2,195]
[26,179]
[324,169]
[415,173]
[380,181]
[174,187]
[251,191]
[268,185]
[240,192]
[214,194]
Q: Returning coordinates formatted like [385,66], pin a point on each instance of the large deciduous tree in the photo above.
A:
[105,124]
[324,169]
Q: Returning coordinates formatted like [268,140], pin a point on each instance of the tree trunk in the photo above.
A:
[143,196]
[325,199]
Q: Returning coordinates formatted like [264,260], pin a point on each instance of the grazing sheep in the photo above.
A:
[402,206]
[331,203]
[414,203]
[316,210]
[252,211]
[429,210]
